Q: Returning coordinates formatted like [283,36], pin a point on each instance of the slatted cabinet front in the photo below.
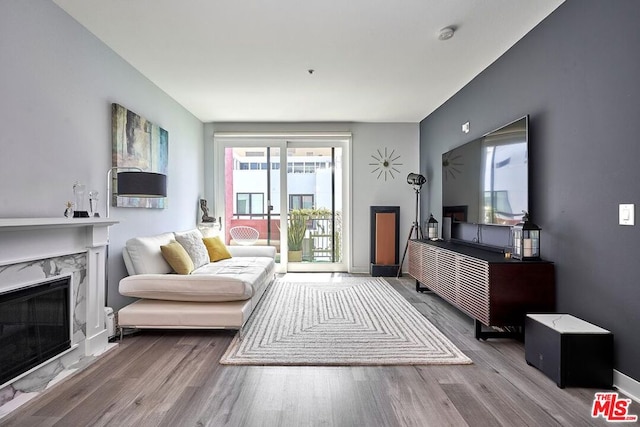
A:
[497,293]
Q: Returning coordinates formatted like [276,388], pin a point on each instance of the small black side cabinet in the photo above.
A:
[569,350]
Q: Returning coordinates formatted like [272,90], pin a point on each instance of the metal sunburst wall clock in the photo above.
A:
[385,163]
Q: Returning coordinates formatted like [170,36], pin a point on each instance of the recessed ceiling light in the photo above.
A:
[446,33]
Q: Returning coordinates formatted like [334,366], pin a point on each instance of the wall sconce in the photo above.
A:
[134,182]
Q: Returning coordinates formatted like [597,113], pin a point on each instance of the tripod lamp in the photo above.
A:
[417,181]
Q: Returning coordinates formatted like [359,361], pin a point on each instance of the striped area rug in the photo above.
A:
[304,319]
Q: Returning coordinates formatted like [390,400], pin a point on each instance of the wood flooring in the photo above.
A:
[172,378]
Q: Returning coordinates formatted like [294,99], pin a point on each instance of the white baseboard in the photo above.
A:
[96,344]
[627,385]
[366,270]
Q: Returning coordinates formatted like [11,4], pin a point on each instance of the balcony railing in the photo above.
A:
[322,241]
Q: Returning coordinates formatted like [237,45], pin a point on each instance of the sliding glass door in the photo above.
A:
[291,191]
[251,196]
[314,200]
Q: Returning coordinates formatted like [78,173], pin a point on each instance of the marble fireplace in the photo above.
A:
[42,250]
[35,325]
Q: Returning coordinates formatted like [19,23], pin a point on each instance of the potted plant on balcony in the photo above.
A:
[296,230]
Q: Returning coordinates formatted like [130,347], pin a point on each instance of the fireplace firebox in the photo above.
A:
[34,326]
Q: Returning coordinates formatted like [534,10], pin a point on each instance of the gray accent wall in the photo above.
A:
[57,83]
[577,75]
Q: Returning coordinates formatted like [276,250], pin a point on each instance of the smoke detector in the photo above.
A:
[446,33]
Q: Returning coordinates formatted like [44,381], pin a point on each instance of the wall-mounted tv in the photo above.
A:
[486,181]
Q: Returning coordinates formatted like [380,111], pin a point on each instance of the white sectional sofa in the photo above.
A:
[218,294]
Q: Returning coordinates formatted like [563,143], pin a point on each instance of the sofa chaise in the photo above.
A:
[220,294]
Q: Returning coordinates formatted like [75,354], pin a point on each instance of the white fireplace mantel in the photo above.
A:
[25,239]
[26,223]
[30,239]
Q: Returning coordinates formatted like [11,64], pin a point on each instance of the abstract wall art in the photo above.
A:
[137,143]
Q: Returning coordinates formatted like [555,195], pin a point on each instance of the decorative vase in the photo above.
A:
[93,204]
[78,192]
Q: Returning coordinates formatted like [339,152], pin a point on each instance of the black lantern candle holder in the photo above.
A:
[432,227]
[526,240]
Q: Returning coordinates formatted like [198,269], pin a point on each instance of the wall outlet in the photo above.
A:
[626,214]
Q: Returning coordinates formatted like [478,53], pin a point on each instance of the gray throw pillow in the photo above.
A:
[192,243]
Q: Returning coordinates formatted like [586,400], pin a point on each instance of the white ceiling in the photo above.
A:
[248,60]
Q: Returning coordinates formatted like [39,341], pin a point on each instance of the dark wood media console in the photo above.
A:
[493,290]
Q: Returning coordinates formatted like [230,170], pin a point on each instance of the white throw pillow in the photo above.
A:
[192,242]
[145,255]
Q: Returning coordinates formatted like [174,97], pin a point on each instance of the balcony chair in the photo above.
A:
[244,235]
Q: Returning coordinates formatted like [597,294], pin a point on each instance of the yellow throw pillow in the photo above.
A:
[216,248]
[177,257]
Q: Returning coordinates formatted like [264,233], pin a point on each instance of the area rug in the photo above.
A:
[311,319]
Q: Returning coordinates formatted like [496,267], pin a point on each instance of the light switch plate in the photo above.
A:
[627,214]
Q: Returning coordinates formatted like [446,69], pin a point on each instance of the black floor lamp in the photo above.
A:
[417,181]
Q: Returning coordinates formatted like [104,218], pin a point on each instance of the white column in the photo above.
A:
[97,240]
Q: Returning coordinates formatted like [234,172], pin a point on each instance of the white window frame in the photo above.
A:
[223,140]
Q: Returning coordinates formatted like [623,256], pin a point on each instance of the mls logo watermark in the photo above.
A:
[612,408]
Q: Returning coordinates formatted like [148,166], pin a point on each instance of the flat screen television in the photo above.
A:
[486,181]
